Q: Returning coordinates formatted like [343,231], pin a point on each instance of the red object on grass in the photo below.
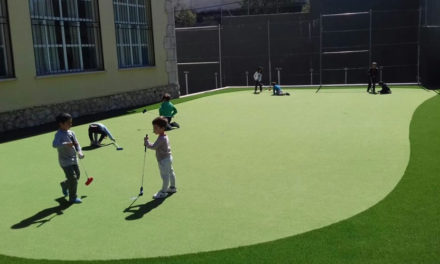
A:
[89,180]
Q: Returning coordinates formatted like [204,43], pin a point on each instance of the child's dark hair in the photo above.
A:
[166,97]
[161,122]
[63,118]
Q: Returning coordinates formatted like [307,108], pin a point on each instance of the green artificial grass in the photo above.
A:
[400,229]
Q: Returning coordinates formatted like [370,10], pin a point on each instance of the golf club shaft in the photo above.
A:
[79,160]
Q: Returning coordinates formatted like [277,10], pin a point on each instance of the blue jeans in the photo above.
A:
[72,174]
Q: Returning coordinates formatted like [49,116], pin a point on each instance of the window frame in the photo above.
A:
[64,53]
[146,26]
[6,47]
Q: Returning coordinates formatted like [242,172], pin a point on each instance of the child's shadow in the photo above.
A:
[93,147]
[138,211]
[40,217]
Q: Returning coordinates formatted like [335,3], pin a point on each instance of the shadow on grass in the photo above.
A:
[40,218]
[92,147]
[138,211]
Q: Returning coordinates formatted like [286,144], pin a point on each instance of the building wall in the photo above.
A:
[28,90]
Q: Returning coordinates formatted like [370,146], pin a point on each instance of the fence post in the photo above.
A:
[419,45]
[381,73]
[346,75]
[216,81]
[247,78]
[311,76]
[278,69]
[320,50]
[268,50]
[371,37]
[220,53]
[186,81]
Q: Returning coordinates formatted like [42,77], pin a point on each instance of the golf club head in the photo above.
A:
[89,181]
[119,148]
[143,112]
[141,192]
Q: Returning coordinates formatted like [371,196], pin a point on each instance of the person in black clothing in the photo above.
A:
[372,77]
[385,88]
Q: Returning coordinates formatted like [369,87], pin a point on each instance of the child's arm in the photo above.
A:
[153,146]
[108,132]
[161,112]
[77,146]
[174,111]
[58,142]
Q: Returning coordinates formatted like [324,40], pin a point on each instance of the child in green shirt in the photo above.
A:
[168,111]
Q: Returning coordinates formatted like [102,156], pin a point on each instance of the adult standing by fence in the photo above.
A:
[372,77]
[258,77]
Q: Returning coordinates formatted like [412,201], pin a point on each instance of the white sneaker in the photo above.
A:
[160,195]
[172,190]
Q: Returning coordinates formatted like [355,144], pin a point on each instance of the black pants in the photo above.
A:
[96,130]
[258,83]
[372,83]
[72,174]
[170,124]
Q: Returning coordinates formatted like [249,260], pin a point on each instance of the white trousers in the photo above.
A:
[167,173]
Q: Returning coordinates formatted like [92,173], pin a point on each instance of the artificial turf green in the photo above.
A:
[402,227]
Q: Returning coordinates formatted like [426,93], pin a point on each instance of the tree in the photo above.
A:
[186,18]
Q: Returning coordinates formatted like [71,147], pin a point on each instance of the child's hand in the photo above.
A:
[145,140]
[80,155]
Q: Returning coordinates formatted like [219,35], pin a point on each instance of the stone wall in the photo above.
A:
[40,115]
[170,44]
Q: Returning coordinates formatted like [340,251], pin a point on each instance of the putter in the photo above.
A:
[143,112]
[117,146]
[141,192]
[89,179]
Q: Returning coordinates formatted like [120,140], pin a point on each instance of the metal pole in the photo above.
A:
[320,50]
[268,50]
[278,69]
[419,45]
[216,79]
[381,73]
[426,12]
[371,37]
[311,76]
[247,78]
[186,81]
[346,75]
[220,53]
[249,7]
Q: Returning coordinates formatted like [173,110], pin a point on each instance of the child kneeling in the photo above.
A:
[164,158]
[277,90]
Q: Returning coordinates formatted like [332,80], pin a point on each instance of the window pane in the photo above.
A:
[65,35]
[133,25]
[6,65]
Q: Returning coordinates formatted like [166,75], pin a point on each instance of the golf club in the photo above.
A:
[117,146]
[89,179]
[141,192]
[143,112]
